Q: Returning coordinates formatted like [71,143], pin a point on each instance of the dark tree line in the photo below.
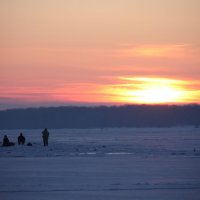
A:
[101,117]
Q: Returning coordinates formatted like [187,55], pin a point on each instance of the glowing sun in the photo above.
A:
[155,94]
[151,90]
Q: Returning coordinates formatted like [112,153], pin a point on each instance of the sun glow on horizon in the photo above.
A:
[155,94]
[153,91]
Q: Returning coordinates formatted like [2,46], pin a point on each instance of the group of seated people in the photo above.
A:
[21,140]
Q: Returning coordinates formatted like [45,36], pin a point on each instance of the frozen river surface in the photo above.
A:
[108,164]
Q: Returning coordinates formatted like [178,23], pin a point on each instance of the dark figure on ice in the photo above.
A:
[21,139]
[6,142]
[45,136]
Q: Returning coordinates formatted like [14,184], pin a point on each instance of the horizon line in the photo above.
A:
[99,105]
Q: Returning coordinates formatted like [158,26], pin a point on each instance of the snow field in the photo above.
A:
[103,164]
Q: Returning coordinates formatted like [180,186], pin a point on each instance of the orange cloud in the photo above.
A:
[163,50]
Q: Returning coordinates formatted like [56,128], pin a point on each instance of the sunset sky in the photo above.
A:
[91,52]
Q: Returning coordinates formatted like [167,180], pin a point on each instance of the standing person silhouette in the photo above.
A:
[21,139]
[45,136]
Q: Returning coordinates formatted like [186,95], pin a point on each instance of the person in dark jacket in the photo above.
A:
[45,136]
[21,139]
[6,141]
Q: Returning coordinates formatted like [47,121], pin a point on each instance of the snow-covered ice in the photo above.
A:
[103,164]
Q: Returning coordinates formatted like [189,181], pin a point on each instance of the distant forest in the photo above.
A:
[101,117]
